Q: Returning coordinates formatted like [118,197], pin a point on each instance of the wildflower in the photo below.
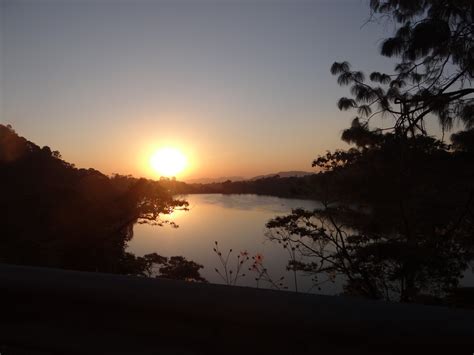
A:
[258,258]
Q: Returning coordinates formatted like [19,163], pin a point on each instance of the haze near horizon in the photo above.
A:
[239,88]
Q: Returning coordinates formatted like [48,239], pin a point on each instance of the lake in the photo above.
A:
[237,222]
[234,221]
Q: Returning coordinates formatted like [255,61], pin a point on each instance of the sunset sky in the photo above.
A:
[240,87]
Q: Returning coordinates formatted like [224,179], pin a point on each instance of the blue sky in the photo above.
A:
[241,87]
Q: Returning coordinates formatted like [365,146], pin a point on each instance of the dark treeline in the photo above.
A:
[415,238]
[53,214]
[306,187]
[412,242]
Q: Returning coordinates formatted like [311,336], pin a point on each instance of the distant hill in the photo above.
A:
[284,174]
[214,180]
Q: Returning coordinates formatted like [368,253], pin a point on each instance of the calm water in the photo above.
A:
[235,221]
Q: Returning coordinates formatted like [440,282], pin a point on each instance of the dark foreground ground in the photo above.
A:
[50,311]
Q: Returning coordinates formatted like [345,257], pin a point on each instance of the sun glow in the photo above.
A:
[168,162]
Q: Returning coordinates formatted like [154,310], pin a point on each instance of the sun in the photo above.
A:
[168,162]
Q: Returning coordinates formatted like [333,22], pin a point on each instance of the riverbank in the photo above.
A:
[298,187]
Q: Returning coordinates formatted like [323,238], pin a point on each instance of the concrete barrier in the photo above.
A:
[56,311]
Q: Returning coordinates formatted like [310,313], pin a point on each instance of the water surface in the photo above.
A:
[235,221]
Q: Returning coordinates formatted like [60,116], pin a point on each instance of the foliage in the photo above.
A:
[463,141]
[374,264]
[434,43]
[262,274]
[230,276]
[398,219]
[53,214]
[295,186]
[175,268]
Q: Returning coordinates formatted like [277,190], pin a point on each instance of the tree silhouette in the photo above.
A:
[434,42]
[53,214]
[178,268]
[398,219]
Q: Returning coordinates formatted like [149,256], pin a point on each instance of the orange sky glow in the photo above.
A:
[240,88]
